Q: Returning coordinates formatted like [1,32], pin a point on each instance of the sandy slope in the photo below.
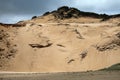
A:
[54,46]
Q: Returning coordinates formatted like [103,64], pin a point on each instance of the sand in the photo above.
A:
[70,45]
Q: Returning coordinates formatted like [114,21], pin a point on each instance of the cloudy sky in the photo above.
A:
[12,11]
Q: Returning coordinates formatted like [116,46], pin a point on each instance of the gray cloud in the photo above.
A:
[14,10]
[28,6]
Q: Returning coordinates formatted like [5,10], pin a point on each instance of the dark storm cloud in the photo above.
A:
[15,10]
[28,6]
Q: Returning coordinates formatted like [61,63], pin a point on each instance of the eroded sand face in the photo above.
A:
[42,46]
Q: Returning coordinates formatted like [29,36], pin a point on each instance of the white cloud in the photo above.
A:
[99,6]
[13,18]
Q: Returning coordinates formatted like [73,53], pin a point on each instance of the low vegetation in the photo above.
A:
[113,67]
[66,12]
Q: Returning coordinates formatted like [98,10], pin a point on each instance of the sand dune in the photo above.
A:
[44,44]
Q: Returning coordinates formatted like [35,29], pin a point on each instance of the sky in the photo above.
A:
[12,11]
